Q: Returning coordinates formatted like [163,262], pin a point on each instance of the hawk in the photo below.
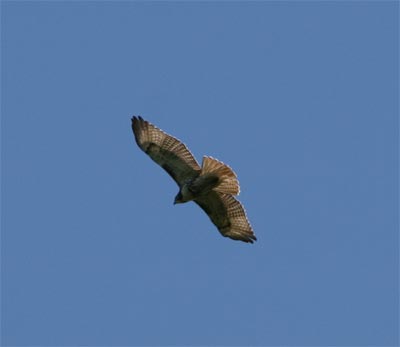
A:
[211,186]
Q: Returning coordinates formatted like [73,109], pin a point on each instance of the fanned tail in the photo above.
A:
[228,182]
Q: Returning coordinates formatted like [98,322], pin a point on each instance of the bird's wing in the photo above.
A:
[228,215]
[165,150]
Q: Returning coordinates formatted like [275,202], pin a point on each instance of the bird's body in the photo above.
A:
[212,186]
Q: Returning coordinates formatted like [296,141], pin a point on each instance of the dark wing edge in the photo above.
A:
[167,151]
[228,215]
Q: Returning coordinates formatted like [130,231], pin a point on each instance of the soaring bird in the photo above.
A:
[211,186]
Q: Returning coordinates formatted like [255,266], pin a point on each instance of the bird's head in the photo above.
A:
[178,198]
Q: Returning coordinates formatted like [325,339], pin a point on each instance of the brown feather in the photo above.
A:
[167,151]
[228,182]
[228,215]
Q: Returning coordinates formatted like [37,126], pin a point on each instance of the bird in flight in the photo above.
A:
[211,186]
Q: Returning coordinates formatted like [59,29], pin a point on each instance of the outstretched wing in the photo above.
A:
[165,150]
[228,215]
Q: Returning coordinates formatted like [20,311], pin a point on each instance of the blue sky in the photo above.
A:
[300,98]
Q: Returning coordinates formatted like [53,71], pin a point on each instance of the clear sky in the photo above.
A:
[300,98]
